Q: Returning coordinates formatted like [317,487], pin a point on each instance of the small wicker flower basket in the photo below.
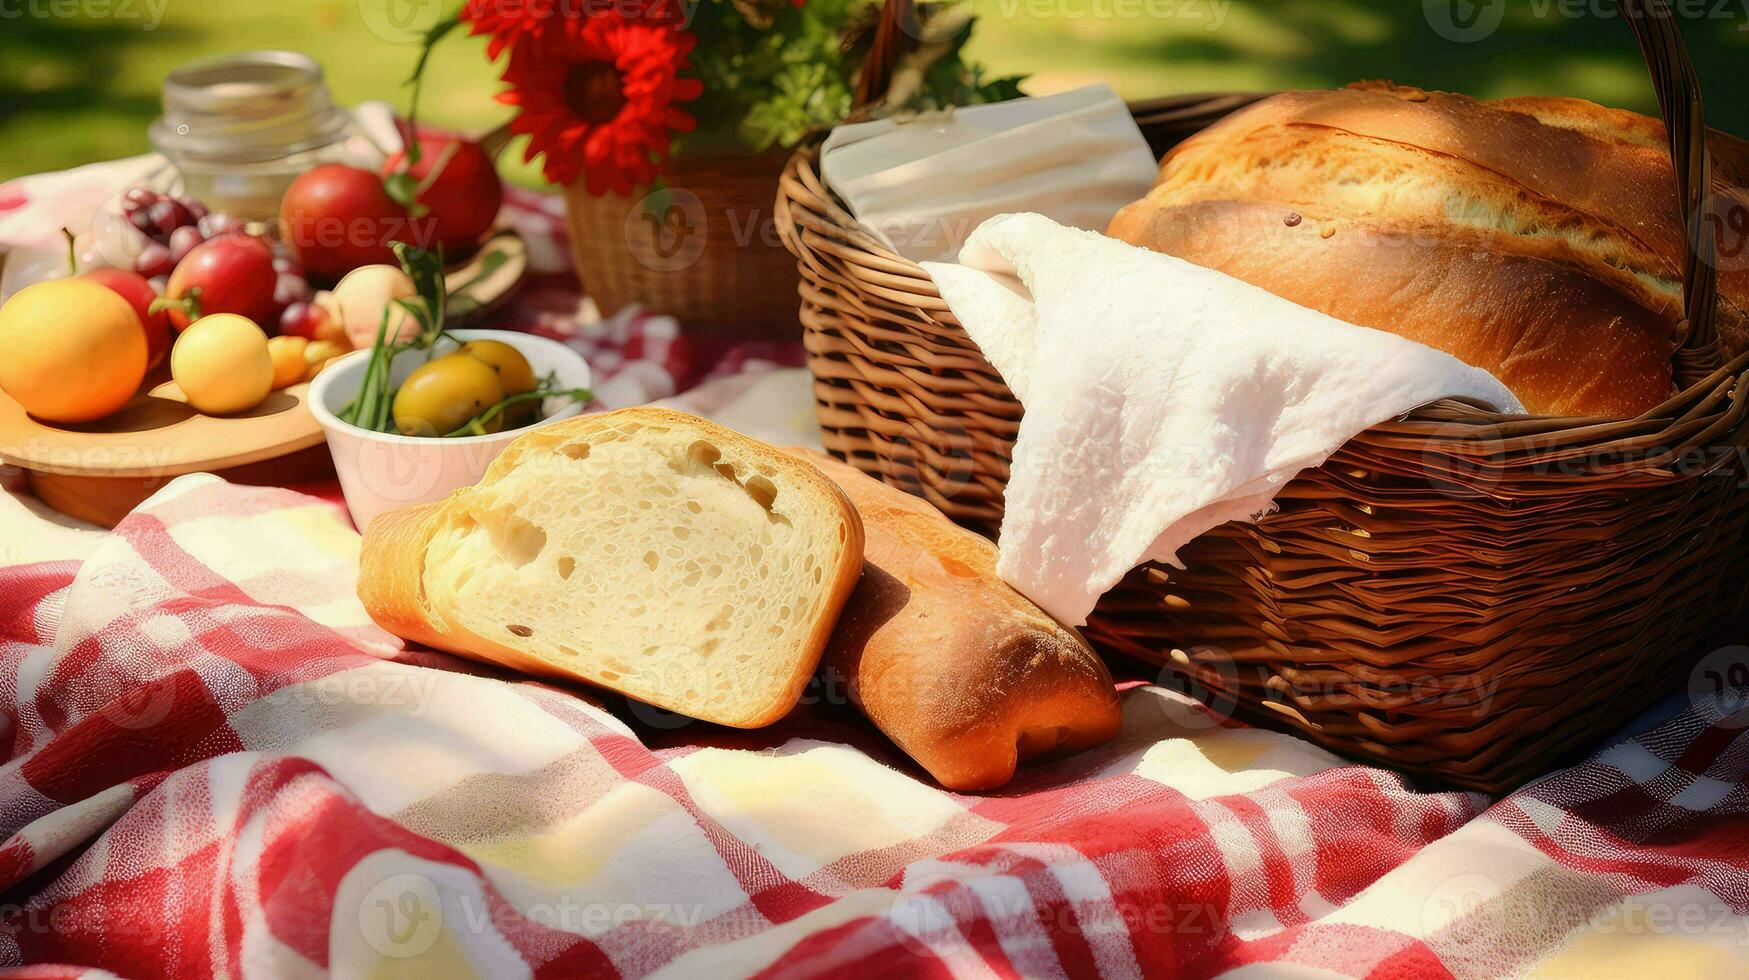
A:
[703,248]
[1457,593]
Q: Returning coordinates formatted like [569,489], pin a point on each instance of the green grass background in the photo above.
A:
[83,88]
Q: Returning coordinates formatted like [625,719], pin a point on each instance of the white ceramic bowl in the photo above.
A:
[381,471]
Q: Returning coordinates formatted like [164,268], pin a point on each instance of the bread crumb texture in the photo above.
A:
[690,572]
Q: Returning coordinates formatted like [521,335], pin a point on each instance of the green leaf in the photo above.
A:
[779,86]
[425,268]
[403,187]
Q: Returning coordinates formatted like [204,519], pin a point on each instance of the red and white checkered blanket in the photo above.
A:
[215,765]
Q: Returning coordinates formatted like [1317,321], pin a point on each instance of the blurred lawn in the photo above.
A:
[77,90]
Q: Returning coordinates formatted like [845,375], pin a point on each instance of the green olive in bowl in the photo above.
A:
[441,395]
[514,373]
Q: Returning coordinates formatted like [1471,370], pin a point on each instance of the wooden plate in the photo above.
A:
[486,280]
[158,434]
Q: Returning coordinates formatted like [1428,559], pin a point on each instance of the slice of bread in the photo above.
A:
[644,550]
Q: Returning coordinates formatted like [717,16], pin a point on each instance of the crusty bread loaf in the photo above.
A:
[1536,238]
[644,550]
[963,673]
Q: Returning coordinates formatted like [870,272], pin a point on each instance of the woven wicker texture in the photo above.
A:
[1460,593]
[701,249]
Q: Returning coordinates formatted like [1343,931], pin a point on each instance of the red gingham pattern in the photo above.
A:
[155,830]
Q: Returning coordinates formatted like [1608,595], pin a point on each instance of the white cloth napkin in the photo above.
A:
[1162,399]
[924,183]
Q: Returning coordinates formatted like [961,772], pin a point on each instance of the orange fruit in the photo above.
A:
[288,360]
[74,350]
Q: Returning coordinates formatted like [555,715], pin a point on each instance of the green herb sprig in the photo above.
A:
[548,388]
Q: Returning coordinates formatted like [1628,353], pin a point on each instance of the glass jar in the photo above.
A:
[242,127]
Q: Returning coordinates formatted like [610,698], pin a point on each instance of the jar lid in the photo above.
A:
[240,108]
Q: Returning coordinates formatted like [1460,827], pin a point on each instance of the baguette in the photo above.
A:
[1539,239]
[645,551]
[962,672]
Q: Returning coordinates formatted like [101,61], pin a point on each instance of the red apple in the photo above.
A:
[463,197]
[230,274]
[139,293]
[337,218]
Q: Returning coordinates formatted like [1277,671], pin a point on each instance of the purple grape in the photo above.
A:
[154,260]
[218,224]
[141,220]
[143,197]
[159,284]
[303,320]
[163,215]
[291,288]
[183,240]
[169,215]
[287,264]
[196,210]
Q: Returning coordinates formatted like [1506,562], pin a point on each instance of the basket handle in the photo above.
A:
[1673,80]
[1678,90]
[895,33]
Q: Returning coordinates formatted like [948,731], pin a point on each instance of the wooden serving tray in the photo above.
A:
[98,471]
[486,280]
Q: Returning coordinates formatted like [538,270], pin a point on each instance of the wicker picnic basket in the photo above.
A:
[698,250]
[1457,593]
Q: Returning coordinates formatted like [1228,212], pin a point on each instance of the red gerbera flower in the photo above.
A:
[599,100]
[508,21]
[511,21]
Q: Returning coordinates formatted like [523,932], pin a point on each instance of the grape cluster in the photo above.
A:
[171,226]
[174,226]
